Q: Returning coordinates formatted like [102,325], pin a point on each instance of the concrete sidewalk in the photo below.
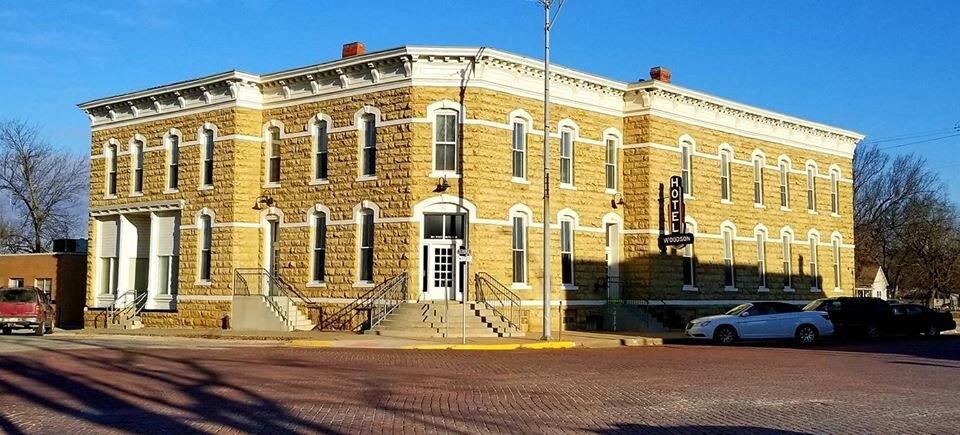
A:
[564,339]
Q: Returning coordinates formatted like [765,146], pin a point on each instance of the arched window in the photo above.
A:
[445,141]
[811,188]
[725,157]
[368,155]
[206,236]
[786,238]
[784,184]
[566,251]
[762,259]
[610,163]
[366,245]
[729,280]
[173,162]
[566,156]
[689,262]
[814,241]
[519,149]
[136,152]
[321,157]
[207,177]
[112,170]
[273,155]
[836,263]
[686,165]
[519,248]
[835,191]
[758,164]
[318,265]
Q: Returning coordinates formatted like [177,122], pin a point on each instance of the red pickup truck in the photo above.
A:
[25,308]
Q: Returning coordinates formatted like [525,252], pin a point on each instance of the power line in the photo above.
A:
[919,142]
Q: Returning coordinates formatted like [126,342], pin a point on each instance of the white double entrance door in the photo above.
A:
[442,270]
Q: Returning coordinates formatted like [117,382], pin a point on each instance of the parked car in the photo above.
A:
[25,308]
[762,320]
[915,319]
[870,317]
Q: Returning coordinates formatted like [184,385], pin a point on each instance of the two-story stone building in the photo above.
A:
[339,176]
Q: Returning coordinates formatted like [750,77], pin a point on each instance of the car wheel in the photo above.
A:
[872,332]
[724,335]
[806,334]
[39,331]
[49,329]
[7,331]
[933,331]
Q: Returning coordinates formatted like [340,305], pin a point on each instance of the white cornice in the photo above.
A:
[141,207]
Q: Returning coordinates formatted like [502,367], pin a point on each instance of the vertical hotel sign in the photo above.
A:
[678,235]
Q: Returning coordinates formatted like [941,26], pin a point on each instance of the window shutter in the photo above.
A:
[168,235]
[108,237]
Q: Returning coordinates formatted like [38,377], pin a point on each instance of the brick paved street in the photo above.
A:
[118,386]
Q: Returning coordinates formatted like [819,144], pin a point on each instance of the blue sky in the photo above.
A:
[881,68]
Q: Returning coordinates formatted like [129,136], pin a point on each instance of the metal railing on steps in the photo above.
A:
[126,307]
[285,300]
[368,310]
[498,298]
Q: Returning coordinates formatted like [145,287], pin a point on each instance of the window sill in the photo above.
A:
[443,174]
[319,182]
[519,180]
[271,185]
[206,187]
[568,187]
[202,283]
[812,212]
[316,284]
[782,208]
[363,284]
[836,215]
[520,286]
[788,290]
[838,290]
[686,196]
[169,191]
[611,191]
[135,195]
[731,289]
[726,202]
[367,178]
[815,290]
[109,196]
[763,290]
[689,288]
[755,205]
[569,287]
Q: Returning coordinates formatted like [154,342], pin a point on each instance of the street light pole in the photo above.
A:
[547,24]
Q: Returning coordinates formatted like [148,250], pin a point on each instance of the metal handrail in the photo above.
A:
[120,309]
[379,302]
[288,295]
[507,303]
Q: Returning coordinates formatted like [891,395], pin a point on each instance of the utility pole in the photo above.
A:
[547,24]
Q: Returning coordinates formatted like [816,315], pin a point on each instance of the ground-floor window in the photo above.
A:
[566,251]
[728,278]
[168,271]
[366,245]
[519,250]
[45,284]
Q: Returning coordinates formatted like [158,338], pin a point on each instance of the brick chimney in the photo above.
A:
[352,49]
[656,73]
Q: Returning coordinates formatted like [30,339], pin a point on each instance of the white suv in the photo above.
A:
[762,320]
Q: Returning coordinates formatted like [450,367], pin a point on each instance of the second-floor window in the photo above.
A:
[137,155]
[784,185]
[758,181]
[834,192]
[610,164]
[369,151]
[445,143]
[566,157]
[112,170]
[173,164]
[273,156]
[206,234]
[686,167]
[519,148]
[366,245]
[322,156]
[725,175]
[811,188]
[208,158]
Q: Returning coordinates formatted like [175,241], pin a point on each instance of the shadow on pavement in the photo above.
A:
[945,347]
[102,389]
[629,428]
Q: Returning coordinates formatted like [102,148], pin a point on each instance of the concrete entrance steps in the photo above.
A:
[437,319]
[123,322]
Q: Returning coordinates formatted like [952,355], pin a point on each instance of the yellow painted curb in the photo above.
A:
[310,343]
[485,347]
[427,347]
[549,345]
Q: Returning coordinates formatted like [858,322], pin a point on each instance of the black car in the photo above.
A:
[914,319]
[870,317]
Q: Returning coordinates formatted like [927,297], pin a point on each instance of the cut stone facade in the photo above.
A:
[405,90]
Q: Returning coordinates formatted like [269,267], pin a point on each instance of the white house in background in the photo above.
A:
[871,282]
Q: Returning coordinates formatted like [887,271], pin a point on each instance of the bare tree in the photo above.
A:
[44,184]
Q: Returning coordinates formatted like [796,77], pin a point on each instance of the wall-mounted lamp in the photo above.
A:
[264,200]
[442,185]
[614,202]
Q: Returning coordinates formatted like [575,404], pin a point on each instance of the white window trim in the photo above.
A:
[314,218]
[732,231]
[168,145]
[563,130]
[525,124]
[685,141]
[572,221]
[268,152]
[202,141]
[137,151]
[525,223]
[615,164]
[315,135]
[435,172]
[201,230]
[691,228]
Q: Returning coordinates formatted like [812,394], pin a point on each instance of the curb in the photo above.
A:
[310,343]
[515,346]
